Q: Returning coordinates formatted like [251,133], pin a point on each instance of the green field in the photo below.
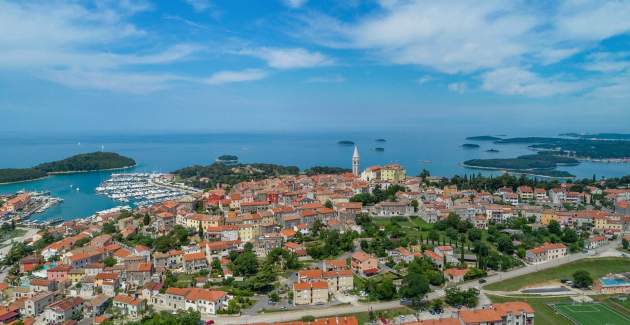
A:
[544,313]
[597,267]
[592,313]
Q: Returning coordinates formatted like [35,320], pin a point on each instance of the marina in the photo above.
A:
[140,189]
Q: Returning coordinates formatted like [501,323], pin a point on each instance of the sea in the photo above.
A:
[439,152]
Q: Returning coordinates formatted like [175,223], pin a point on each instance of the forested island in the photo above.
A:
[212,175]
[579,148]
[541,164]
[345,143]
[598,136]
[86,162]
[483,138]
[470,146]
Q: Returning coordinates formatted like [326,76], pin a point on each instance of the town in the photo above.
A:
[353,247]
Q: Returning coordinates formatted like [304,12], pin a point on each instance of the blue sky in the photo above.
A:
[243,65]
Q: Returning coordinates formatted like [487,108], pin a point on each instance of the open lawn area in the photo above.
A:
[597,267]
[592,313]
[544,313]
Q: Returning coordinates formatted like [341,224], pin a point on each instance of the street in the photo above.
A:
[364,307]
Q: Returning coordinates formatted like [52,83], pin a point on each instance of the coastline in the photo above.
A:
[514,171]
[69,172]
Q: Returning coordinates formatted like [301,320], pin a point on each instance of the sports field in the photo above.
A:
[591,313]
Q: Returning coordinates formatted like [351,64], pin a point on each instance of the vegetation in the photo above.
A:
[345,142]
[582,279]
[218,173]
[458,298]
[78,163]
[9,175]
[318,170]
[483,138]
[378,195]
[522,163]
[166,318]
[470,146]
[584,148]
[600,136]
[596,267]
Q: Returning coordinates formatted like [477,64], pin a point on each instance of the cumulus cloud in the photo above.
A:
[518,81]
[224,77]
[458,87]
[71,44]
[199,5]
[479,37]
[295,3]
[288,58]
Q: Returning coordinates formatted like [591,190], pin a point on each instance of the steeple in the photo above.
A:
[355,161]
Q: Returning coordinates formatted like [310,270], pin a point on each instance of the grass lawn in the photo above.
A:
[597,267]
[592,313]
[544,313]
[8,234]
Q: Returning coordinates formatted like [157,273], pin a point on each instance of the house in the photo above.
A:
[29,263]
[310,293]
[59,273]
[546,252]
[364,264]
[128,305]
[595,242]
[36,304]
[64,310]
[509,313]
[202,300]
[195,262]
[455,275]
[392,209]
[334,265]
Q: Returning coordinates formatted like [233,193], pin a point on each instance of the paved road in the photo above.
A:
[30,232]
[360,307]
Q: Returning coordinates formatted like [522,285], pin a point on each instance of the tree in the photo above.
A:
[582,279]
[414,286]
[457,298]
[109,228]
[200,230]
[245,264]
[415,204]
[146,220]
[110,261]
[569,235]
[554,227]
[625,243]
[504,244]
[328,204]
[385,289]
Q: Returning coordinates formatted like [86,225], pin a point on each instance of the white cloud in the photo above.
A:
[471,37]
[607,62]
[71,44]
[295,3]
[199,5]
[518,81]
[224,77]
[424,79]
[458,87]
[327,79]
[288,58]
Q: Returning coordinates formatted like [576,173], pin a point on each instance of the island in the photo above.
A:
[227,159]
[216,174]
[345,143]
[598,136]
[379,149]
[483,138]
[86,162]
[540,164]
[470,146]
[492,150]
[380,140]
[585,149]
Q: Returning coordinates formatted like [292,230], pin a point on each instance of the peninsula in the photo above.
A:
[540,164]
[86,162]
[483,138]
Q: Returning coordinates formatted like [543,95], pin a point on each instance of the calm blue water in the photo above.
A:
[437,151]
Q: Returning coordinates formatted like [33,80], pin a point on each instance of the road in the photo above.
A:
[30,232]
[361,307]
